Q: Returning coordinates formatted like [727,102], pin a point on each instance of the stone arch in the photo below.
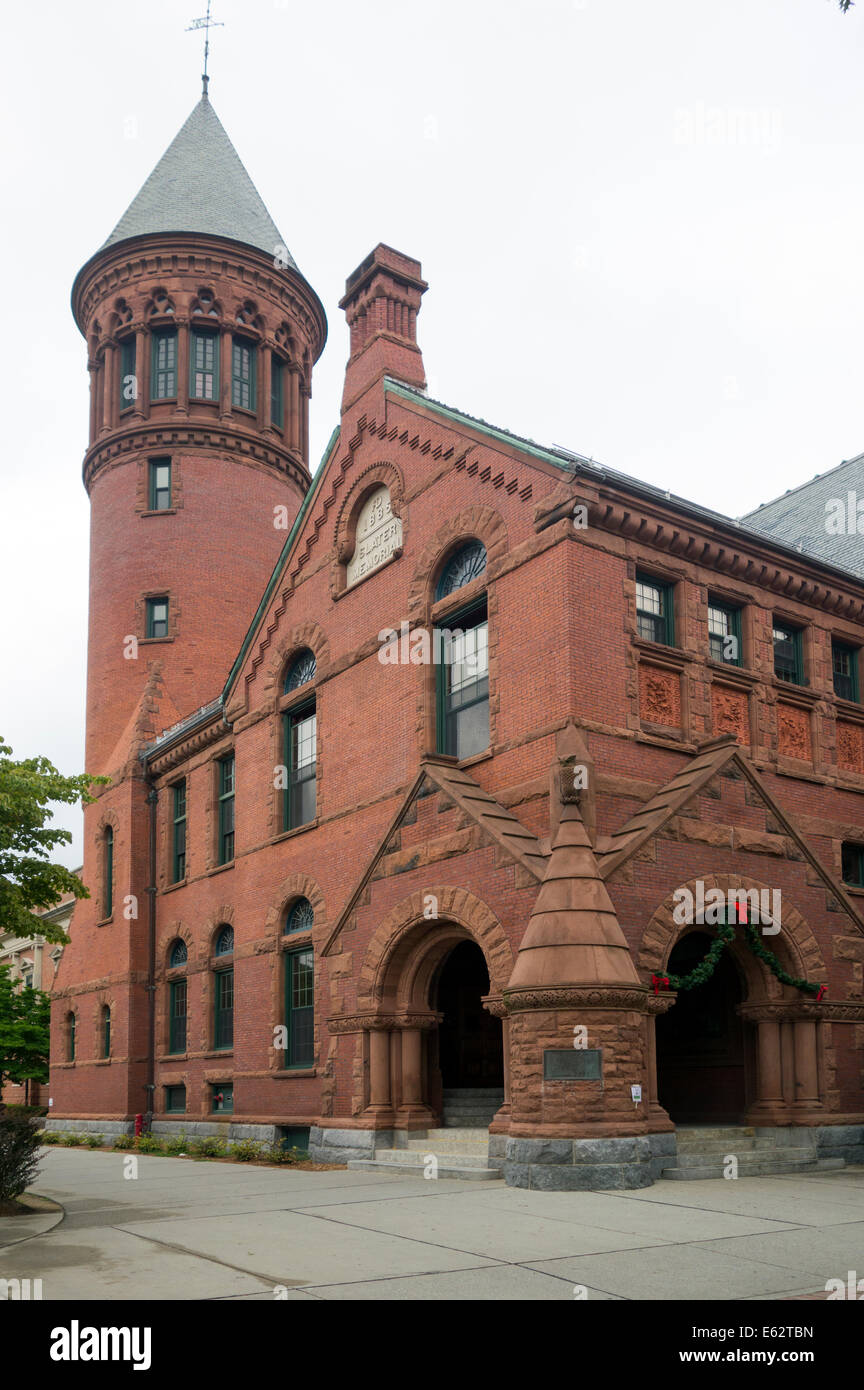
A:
[309,635]
[474,523]
[407,946]
[293,887]
[380,474]
[222,916]
[795,942]
[174,931]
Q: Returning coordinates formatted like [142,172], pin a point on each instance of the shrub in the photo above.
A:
[149,1144]
[73,1139]
[208,1147]
[94,1141]
[245,1150]
[278,1153]
[174,1144]
[20,1139]
[50,1136]
[123,1141]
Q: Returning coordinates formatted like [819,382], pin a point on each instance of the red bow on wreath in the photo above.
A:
[658,980]
[822,990]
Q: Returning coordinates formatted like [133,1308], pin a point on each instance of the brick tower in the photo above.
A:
[201,335]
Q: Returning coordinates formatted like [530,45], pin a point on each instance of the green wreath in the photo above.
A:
[701,973]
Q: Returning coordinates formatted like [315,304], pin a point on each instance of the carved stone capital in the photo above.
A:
[579,997]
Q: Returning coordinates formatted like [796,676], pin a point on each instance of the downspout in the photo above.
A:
[150,1084]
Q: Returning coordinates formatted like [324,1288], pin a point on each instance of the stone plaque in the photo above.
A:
[572,1064]
[378,535]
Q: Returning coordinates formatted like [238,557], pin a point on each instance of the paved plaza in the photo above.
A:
[197,1230]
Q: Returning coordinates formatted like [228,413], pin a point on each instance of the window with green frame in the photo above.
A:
[203,365]
[178,859]
[159,485]
[852,859]
[223,1022]
[177,1014]
[128,380]
[655,610]
[175,1100]
[108,867]
[70,1037]
[226,810]
[844,665]
[277,391]
[106,1031]
[222,1098]
[163,366]
[461,649]
[724,633]
[299,1008]
[300,735]
[242,374]
[156,618]
[788,659]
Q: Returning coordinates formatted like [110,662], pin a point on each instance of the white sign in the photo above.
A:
[378,534]
[636,1094]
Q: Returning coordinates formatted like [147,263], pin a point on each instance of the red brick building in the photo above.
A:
[413,762]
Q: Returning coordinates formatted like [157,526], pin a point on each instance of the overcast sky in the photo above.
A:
[640,221]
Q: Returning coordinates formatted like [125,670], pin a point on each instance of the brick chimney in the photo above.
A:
[381,303]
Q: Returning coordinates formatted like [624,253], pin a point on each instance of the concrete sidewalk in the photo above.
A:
[184,1230]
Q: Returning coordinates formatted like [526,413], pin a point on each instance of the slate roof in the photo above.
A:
[798,517]
[200,185]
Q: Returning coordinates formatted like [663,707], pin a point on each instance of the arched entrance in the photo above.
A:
[470,1049]
[705,1049]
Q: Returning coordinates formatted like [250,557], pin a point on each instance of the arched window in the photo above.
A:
[466,564]
[105,1030]
[70,1037]
[178,955]
[301,916]
[302,670]
[300,738]
[224,945]
[177,998]
[108,869]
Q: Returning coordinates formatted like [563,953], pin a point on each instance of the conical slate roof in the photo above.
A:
[200,185]
[573,936]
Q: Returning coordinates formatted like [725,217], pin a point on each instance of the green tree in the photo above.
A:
[25,1018]
[28,879]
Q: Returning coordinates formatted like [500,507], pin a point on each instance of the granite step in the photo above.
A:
[761,1167]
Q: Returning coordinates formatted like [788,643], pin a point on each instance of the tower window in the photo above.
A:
[654,611]
[157,617]
[159,490]
[108,889]
[179,855]
[106,1031]
[299,1009]
[463,684]
[724,633]
[70,1037]
[844,663]
[163,373]
[788,663]
[204,366]
[128,380]
[242,374]
[226,810]
[277,392]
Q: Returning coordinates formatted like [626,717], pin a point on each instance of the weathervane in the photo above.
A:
[206,24]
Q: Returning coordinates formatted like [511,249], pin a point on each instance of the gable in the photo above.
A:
[699,807]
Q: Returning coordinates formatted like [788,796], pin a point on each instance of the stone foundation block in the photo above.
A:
[567,1165]
[340,1145]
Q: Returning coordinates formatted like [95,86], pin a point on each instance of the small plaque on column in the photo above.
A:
[572,1064]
